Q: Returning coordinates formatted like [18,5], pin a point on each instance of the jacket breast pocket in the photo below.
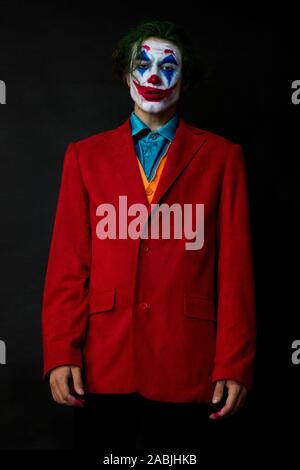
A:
[102,301]
[199,307]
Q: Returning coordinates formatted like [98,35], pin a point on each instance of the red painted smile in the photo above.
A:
[153,94]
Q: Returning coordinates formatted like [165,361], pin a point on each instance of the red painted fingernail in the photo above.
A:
[76,402]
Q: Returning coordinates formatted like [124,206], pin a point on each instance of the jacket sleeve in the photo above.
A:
[65,296]
[236,311]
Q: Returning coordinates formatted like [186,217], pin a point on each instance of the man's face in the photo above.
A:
[155,81]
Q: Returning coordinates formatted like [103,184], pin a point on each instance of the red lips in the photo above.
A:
[153,94]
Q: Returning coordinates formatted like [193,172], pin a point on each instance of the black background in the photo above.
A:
[55,60]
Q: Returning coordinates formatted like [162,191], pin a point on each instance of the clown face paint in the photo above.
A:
[155,81]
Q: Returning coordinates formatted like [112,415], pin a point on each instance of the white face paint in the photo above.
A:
[155,81]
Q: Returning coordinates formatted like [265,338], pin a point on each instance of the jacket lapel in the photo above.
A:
[184,147]
[125,165]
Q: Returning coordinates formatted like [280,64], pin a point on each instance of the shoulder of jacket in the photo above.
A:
[213,137]
[94,139]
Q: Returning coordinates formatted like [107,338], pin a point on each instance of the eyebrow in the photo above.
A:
[170,59]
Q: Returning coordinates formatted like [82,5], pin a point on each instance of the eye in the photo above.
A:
[168,67]
[143,64]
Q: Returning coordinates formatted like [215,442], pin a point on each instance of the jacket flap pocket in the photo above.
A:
[199,307]
[101,301]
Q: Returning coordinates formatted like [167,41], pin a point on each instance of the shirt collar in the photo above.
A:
[167,131]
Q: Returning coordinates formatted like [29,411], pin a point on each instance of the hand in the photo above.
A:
[60,388]
[236,397]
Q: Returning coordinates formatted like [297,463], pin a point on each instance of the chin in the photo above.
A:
[155,108]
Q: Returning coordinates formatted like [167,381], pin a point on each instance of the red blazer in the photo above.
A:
[148,315]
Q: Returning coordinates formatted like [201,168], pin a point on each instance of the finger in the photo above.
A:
[77,380]
[61,398]
[73,401]
[53,393]
[218,392]
[233,394]
[63,390]
[240,403]
[240,400]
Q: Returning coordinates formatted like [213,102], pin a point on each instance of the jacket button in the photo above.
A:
[146,248]
[143,306]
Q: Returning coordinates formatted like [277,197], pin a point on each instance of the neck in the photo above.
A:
[155,120]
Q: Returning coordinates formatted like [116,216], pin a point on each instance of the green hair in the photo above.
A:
[122,53]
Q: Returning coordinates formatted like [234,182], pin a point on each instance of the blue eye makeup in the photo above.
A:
[170,59]
[168,66]
[143,61]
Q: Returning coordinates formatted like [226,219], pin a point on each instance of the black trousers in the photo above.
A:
[130,422]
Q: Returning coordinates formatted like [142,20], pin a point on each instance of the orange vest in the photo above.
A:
[150,186]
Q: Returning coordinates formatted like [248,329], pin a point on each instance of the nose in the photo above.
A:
[154,79]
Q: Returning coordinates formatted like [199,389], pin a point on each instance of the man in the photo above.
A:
[136,316]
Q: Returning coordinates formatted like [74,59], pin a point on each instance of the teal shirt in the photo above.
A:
[151,145]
